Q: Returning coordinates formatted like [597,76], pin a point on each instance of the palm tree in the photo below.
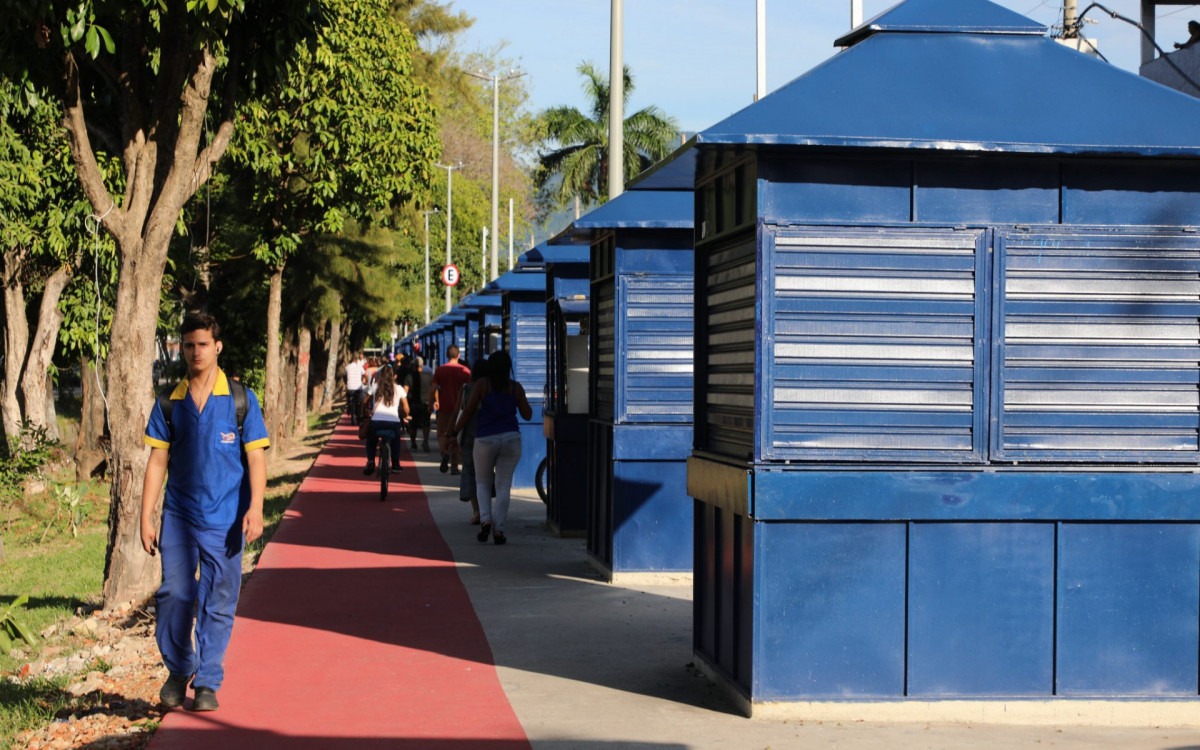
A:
[578,160]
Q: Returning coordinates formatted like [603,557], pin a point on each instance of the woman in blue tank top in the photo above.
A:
[497,398]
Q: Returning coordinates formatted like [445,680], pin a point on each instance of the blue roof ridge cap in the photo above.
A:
[945,17]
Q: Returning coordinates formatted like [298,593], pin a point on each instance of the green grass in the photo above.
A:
[58,577]
[30,705]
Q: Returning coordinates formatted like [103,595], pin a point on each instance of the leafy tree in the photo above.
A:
[576,161]
[44,213]
[344,134]
[134,80]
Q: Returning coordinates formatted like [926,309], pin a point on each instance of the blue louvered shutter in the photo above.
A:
[656,348]
[1098,347]
[875,349]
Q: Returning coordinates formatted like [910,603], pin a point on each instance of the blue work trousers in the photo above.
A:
[208,602]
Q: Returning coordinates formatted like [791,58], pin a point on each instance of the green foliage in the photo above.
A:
[25,455]
[12,629]
[336,138]
[73,506]
[576,162]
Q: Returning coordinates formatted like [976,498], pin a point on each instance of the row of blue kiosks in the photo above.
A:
[905,377]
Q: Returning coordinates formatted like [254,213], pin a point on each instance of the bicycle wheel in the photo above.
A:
[385,465]
[539,479]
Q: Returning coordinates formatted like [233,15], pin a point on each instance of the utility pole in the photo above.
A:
[855,13]
[760,88]
[616,102]
[449,216]
[430,211]
[495,78]
[510,234]
[1070,20]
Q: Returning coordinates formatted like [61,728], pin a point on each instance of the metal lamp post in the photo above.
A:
[616,101]
[495,78]
[430,211]
[449,216]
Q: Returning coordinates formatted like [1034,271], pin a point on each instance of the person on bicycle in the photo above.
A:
[388,412]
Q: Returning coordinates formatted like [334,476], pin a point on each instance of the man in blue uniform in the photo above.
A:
[208,438]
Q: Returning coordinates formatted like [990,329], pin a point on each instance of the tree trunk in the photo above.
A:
[273,387]
[331,365]
[300,418]
[16,344]
[38,407]
[287,393]
[90,454]
[130,574]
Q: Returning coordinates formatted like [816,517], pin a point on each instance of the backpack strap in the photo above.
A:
[240,402]
[166,405]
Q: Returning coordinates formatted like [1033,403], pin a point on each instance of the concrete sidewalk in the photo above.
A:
[589,665]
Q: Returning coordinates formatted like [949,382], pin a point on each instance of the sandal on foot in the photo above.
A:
[484,532]
[499,538]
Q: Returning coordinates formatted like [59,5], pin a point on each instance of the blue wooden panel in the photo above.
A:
[830,610]
[651,517]
[1096,347]
[533,450]
[986,191]
[654,344]
[895,322]
[652,442]
[1129,598]
[1138,192]
[660,251]
[844,190]
[981,609]
[1014,494]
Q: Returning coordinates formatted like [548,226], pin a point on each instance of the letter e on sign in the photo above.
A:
[450,275]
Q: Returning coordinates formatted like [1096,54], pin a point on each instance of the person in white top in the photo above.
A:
[354,386]
[389,411]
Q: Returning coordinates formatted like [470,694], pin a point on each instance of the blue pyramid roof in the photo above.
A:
[951,16]
[967,88]
[556,253]
[642,209]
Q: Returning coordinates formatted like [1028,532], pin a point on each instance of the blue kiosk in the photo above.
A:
[640,411]
[523,318]
[947,420]
[565,409]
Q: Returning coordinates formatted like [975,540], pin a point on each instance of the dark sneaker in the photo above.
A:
[173,690]
[425,446]
[205,700]
[455,471]
[445,463]
[395,468]
[369,469]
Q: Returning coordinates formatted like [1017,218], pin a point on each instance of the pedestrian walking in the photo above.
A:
[497,398]
[468,484]
[355,373]
[207,437]
[443,398]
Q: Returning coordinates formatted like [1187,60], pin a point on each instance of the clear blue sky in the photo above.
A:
[695,58]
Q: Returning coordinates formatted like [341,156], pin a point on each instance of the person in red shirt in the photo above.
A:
[447,384]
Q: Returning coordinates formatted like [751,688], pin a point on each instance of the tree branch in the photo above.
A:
[90,177]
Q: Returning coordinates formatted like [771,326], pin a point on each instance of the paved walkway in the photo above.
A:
[357,631]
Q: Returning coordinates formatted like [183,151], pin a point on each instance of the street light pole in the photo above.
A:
[616,101]
[449,216]
[430,211]
[495,79]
